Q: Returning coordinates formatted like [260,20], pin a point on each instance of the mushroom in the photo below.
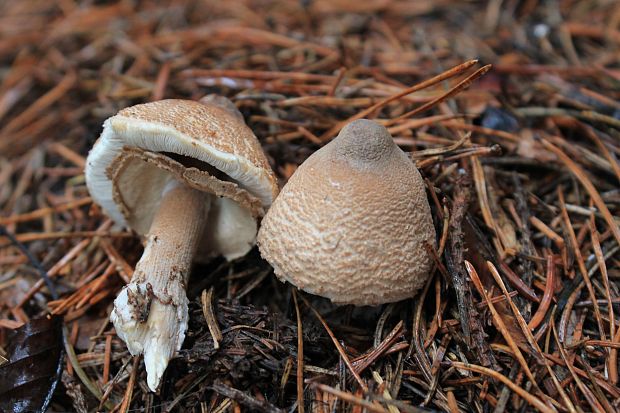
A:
[192,179]
[352,222]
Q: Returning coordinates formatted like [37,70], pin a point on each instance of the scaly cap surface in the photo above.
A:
[351,222]
[207,132]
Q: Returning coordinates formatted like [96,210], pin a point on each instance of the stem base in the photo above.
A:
[150,313]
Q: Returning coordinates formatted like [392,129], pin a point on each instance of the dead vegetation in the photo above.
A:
[520,161]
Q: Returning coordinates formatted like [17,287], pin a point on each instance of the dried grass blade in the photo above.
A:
[580,263]
[40,213]
[343,354]
[525,328]
[483,199]
[348,397]
[422,85]
[587,184]
[300,357]
[124,408]
[594,404]
[361,364]
[501,326]
[545,303]
[600,258]
[42,103]
[206,299]
[524,394]
[459,87]
[613,354]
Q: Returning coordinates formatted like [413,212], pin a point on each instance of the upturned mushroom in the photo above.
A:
[352,221]
[192,179]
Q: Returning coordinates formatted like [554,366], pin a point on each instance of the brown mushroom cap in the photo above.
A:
[205,145]
[352,221]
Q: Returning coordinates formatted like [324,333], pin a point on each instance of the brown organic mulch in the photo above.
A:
[520,161]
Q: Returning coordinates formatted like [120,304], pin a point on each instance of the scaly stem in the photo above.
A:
[150,313]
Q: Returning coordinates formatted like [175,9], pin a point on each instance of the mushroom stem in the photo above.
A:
[150,313]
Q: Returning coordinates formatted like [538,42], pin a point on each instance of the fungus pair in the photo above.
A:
[192,179]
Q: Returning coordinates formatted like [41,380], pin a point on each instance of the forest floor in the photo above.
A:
[520,160]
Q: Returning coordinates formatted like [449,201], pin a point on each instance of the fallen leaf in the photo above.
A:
[29,378]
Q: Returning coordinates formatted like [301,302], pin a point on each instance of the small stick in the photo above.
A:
[454,408]
[613,356]
[245,399]
[106,359]
[524,394]
[436,151]
[45,276]
[539,316]
[43,212]
[485,208]
[206,298]
[159,88]
[600,258]
[530,338]
[95,287]
[581,265]
[124,269]
[602,382]
[422,85]
[343,354]
[53,272]
[482,130]
[587,184]
[518,283]
[385,392]
[613,161]
[256,74]
[69,154]
[336,82]
[348,397]
[594,404]
[462,85]
[361,364]
[75,364]
[40,104]
[39,236]
[300,357]
[544,228]
[500,324]
[124,408]
[602,343]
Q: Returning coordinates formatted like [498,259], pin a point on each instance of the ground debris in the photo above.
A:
[520,161]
